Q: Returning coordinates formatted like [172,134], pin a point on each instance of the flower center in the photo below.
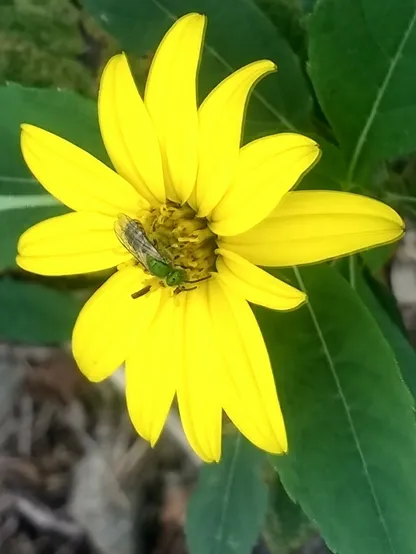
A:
[183,239]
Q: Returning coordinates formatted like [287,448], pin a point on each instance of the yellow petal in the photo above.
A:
[313,226]
[78,242]
[267,169]
[220,125]
[76,178]
[199,403]
[255,285]
[247,386]
[111,323]
[128,132]
[171,100]
[152,371]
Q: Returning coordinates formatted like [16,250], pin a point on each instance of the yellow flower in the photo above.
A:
[210,207]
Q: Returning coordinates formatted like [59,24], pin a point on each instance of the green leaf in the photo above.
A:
[362,56]
[14,222]
[329,173]
[377,258]
[34,313]
[228,506]
[349,417]
[287,528]
[23,201]
[380,302]
[287,16]
[308,5]
[238,32]
[62,112]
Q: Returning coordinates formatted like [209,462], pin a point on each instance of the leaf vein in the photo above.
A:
[378,99]
[26,201]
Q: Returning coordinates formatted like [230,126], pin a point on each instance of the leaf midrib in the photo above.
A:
[356,440]
[378,99]
[230,68]
[26,201]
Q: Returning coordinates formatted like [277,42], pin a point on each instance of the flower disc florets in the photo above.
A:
[183,238]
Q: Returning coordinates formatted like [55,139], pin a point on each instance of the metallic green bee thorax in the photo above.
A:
[162,270]
[158,268]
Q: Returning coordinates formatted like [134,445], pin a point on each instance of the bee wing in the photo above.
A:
[133,237]
[121,235]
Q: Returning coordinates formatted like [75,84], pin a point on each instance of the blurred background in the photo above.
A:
[74,476]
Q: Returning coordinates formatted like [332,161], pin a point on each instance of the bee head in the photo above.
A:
[175,277]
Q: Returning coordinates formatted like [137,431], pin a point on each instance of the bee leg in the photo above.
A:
[198,280]
[182,289]
[141,292]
